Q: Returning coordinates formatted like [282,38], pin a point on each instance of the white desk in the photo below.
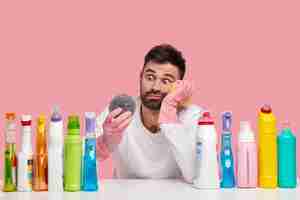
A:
[156,189]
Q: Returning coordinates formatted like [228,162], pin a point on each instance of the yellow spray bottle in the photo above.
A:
[267,135]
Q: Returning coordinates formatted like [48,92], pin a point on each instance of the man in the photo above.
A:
[158,140]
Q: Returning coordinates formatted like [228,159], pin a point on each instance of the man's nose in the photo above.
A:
[156,85]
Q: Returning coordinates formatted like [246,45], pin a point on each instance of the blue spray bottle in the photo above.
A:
[90,178]
[227,164]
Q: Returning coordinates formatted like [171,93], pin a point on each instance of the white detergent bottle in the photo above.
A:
[55,152]
[207,170]
[25,157]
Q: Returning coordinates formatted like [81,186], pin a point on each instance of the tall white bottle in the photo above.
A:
[25,157]
[207,170]
[55,152]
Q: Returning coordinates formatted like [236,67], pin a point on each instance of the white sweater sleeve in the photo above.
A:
[182,140]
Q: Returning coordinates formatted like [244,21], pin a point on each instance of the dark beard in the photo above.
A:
[152,104]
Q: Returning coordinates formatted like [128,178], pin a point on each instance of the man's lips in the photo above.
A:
[155,97]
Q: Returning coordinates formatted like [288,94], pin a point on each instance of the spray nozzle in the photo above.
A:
[227,121]
[55,109]
[56,116]
[90,122]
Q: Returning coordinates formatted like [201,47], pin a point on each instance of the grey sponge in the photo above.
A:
[123,101]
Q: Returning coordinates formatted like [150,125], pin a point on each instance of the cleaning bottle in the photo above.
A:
[206,169]
[267,148]
[227,164]
[287,159]
[72,155]
[247,157]
[25,157]
[90,181]
[40,161]
[55,152]
[10,182]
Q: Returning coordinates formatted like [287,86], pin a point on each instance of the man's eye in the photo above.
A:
[166,81]
[150,77]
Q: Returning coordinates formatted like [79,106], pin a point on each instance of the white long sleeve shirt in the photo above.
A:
[170,153]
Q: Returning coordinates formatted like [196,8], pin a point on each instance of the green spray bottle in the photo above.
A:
[72,155]
[287,158]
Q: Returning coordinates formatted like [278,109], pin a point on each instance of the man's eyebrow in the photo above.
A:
[150,70]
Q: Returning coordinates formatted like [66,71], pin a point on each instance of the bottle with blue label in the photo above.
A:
[287,159]
[90,178]
[206,166]
[227,164]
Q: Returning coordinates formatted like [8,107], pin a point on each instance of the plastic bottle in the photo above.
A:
[25,157]
[55,152]
[72,156]
[10,179]
[287,158]
[90,180]
[267,148]
[40,161]
[247,157]
[207,170]
[227,164]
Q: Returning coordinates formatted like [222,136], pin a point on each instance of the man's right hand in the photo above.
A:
[113,127]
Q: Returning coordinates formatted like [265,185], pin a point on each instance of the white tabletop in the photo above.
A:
[143,189]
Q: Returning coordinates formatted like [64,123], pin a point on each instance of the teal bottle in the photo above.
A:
[287,164]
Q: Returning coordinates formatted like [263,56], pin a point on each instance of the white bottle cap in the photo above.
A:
[26,118]
[246,134]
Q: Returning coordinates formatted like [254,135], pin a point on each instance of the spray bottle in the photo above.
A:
[227,164]
[90,181]
[55,152]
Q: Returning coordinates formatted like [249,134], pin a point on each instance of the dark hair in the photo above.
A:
[166,53]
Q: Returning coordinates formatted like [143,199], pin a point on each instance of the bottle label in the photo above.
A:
[14,176]
[227,152]
[91,151]
[199,150]
[10,136]
[14,169]
[29,172]
[227,163]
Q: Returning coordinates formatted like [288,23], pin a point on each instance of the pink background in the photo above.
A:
[80,53]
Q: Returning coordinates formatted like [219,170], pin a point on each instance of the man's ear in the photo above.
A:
[141,73]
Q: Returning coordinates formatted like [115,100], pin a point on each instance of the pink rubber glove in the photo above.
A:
[113,129]
[168,110]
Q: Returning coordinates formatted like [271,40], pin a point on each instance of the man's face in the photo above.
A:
[155,83]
